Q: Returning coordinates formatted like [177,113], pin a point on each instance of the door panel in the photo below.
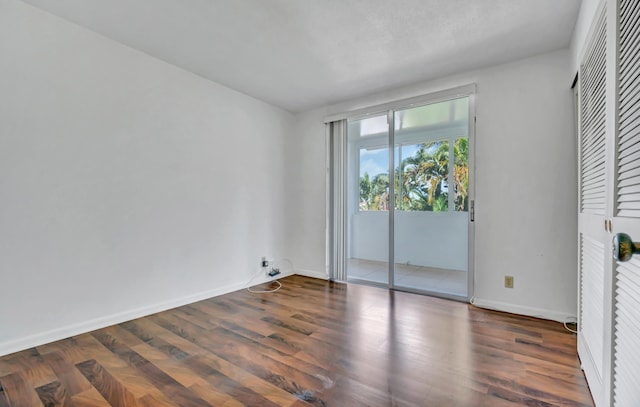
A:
[592,226]
[431,219]
[626,321]
[408,197]
[626,297]
[368,200]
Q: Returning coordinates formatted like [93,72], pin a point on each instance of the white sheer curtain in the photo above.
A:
[336,199]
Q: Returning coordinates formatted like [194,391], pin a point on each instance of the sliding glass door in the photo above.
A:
[408,198]
[432,182]
[368,200]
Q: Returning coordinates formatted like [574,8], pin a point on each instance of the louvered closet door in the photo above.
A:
[593,205]
[626,340]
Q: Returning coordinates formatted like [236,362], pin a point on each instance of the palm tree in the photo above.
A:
[441,204]
[365,192]
[374,193]
[424,175]
[380,192]
[422,180]
[461,173]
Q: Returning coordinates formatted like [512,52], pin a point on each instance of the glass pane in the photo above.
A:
[423,177]
[374,179]
[461,174]
[443,113]
[372,126]
[367,251]
[432,178]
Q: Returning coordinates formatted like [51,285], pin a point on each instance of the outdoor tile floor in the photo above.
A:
[452,282]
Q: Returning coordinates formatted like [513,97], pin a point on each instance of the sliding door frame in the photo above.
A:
[391,120]
[389,110]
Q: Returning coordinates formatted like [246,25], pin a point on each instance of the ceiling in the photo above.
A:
[302,54]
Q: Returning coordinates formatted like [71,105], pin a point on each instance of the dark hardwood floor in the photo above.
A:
[311,343]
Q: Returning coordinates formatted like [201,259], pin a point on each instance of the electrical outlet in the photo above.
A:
[265,262]
[508,281]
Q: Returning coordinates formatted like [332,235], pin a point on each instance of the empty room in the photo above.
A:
[320,203]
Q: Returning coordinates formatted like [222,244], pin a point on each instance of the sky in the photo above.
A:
[376,161]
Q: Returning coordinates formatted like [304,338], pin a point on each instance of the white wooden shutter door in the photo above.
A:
[626,340]
[628,196]
[593,203]
[626,376]
[592,298]
[592,124]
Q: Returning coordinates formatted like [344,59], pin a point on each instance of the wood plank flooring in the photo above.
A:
[312,343]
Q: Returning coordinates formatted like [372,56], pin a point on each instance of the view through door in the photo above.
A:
[424,234]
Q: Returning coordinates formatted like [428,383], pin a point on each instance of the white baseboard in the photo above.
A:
[98,323]
[522,310]
[312,274]
[102,322]
[266,278]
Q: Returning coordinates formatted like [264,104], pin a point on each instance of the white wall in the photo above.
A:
[525,176]
[588,10]
[127,185]
[421,238]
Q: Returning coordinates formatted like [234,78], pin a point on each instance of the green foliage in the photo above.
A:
[461,174]
[374,194]
[422,180]
[441,204]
